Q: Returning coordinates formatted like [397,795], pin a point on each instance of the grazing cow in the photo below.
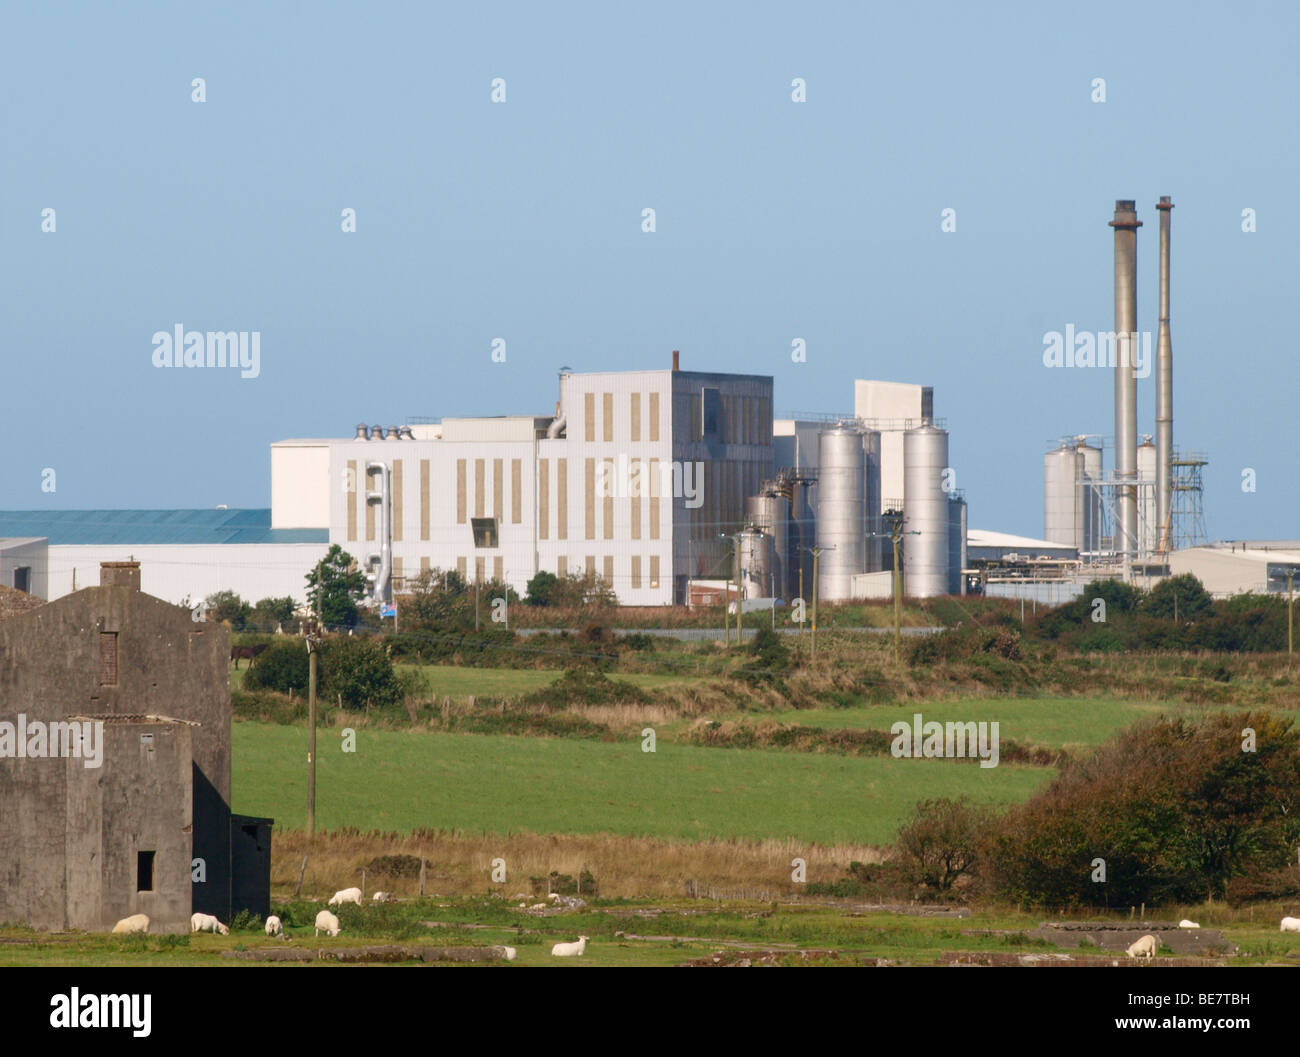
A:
[248,653]
[1144,947]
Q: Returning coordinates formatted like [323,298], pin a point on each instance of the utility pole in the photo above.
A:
[476,590]
[816,553]
[801,598]
[313,650]
[895,535]
[1290,616]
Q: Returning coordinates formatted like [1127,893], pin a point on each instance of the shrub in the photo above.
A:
[395,866]
[281,667]
[941,841]
[360,670]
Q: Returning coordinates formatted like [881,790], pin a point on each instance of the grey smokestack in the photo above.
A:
[1126,224]
[1164,391]
[676,360]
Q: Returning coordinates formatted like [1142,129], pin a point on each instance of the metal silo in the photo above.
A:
[1148,530]
[770,511]
[1062,509]
[956,544]
[871,453]
[841,511]
[925,510]
[755,562]
[803,533]
[1094,526]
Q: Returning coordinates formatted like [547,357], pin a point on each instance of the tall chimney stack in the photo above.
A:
[1164,392]
[676,356]
[1126,224]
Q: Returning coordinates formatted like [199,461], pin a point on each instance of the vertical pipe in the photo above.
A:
[1126,224]
[1164,390]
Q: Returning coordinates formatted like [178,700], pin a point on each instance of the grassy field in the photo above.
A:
[503,784]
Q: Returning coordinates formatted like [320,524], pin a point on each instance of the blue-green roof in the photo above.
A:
[153,526]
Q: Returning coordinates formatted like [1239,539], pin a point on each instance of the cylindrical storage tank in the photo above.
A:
[755,563]
[803,533]
[1093,524]
[956,543]
[1062,513]
[875,545]
[841,511]
[1148,531]
[771,513]
[925,511]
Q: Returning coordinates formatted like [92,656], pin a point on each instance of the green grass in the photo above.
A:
[501,784]
[1073,722]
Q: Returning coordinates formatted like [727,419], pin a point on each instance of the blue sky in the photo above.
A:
[775,221]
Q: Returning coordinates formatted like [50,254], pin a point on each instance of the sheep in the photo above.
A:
[383,897]
[135,923]
[1290,925]
[510,953]
[207,923]
[1144,947]
[569,950]
[274,926]
[327,921]
[347,895]
[1185,924]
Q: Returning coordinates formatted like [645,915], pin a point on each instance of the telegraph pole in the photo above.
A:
[313,650]
[1290,616]
[895,535]
[816,552]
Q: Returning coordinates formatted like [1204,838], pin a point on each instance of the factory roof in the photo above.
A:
[985,538]
[141,527]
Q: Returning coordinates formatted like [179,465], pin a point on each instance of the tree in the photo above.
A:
[1182,596]
[541,588]
[941,841]
[271,613]
[228,608]
[334,587]
[282,667]
[360,671]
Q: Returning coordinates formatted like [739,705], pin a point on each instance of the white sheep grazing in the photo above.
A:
[382,897]
[1185,924]
[327,921]
[348,895]
[570,950]
[1144,948]
[207,923]
[274,927]
[510,953]
[135,923]
[1290,925]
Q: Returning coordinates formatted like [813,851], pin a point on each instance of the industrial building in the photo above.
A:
[148,827]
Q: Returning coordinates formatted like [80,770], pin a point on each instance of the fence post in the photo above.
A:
[301,870]
[421,877]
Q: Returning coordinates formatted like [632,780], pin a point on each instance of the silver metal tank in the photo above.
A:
[1094,526]
[1062,513]
[803,533]
[770,511]
[1148,507]
[841,511]
[956,544]
[755,562]
[875,545]
[925,510]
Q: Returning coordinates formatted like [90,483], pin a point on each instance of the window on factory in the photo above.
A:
[144,871]
[108,658]
[710,414]
[23,578]
[485,531]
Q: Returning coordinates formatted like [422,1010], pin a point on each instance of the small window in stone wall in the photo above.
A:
[144,871]
[108,658]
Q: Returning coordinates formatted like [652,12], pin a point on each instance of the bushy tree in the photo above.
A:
[228,608]
[281,667]
[360,671]
[1183,596]
[271,613]
[334,588]
[540,589]
[942,841]
[1175,808]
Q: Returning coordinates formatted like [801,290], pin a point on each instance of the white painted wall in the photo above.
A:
[300,484]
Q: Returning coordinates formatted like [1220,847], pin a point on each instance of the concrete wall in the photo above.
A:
[300,471]
[138,800]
